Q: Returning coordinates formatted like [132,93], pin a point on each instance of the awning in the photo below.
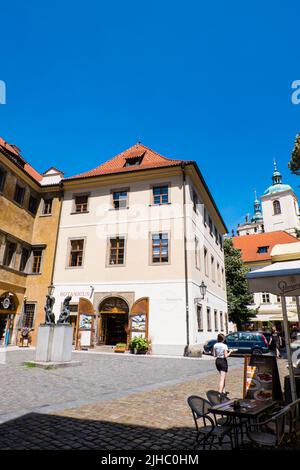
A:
[282,278]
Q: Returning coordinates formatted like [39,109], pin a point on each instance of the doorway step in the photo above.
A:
[104,348]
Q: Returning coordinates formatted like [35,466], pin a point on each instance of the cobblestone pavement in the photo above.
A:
[150,419]
[99,377]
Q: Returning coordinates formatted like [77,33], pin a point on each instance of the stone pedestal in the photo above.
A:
[44,343]
[54,344]
[62,343]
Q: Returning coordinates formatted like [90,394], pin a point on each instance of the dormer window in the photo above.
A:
[262,249]
[133,161]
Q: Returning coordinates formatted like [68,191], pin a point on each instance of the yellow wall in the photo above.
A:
[36,229]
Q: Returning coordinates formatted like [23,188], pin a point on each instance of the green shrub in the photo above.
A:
[139,343]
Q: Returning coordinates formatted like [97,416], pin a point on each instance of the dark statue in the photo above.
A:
[49,317]
[64,318]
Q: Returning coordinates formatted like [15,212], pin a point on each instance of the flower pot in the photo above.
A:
[119,350]
[141,351]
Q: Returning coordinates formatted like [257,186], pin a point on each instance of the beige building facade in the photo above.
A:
[138,235]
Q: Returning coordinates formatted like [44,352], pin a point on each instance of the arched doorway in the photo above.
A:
[113,321]
[8,307]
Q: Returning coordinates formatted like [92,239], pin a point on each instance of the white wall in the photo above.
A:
[288,219]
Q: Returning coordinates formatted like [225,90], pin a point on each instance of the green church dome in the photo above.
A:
[277,186]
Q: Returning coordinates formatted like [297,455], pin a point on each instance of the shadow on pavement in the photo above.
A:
[51,432]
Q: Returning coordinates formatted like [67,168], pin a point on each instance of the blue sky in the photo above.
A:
[209,81]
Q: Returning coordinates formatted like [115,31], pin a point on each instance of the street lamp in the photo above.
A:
[51,289]
[203,288]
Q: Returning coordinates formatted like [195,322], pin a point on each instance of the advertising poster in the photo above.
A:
[261,378]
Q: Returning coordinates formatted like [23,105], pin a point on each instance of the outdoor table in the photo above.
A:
[250,409]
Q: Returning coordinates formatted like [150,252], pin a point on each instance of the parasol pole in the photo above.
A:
[298,309]
[288,348]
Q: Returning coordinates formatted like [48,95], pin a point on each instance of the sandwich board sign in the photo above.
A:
[261,378]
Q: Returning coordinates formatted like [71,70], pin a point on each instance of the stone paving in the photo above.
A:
[154,419]
[99,377]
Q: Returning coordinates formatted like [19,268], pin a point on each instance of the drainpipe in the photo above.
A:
[185,261]
[57,232]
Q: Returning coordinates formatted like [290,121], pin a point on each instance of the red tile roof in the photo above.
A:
[249,244]
[150,159]
[16,153]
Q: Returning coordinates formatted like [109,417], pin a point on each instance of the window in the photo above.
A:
[218,274]
[199,317]
[37,254]
[278,300]
[216,320]
[223,278]
[24,259]
[195,200]
[204,216]
[19,194]
[47,206]
[81,203]
[233,337]
[276,207]
[210,225]
[120,199]
[10,252]
[2,179]
[221,241]
[116,251]
[32,205]
[262,249]
[208,319]
[76,253]
[133,161]
[212,266]
[206,261]
[28,316]
[226,323]
[221,321]
[265,298]
[160,248]
[197,253]
[216,235]
[160,195]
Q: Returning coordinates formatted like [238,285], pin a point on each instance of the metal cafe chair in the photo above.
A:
[215,398]
[208,431]
[269,433]
[294,418]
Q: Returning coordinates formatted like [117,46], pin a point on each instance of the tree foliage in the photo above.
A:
[238,295]
[294,164]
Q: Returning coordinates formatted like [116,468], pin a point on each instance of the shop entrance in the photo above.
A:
[8,306]
[6,329]
[113,321]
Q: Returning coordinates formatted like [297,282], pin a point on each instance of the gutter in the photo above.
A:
[57,232]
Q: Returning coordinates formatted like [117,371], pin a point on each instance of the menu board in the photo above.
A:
[261,378]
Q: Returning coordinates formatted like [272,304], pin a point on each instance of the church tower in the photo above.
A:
[280,208]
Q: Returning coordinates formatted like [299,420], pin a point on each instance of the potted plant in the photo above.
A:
[120,347]
[25,331]
[139,345]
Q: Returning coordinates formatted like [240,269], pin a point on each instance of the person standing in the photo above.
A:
[275,343]
[221,353]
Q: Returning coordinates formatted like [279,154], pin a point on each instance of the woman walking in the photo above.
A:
[221,353]
[275,343]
